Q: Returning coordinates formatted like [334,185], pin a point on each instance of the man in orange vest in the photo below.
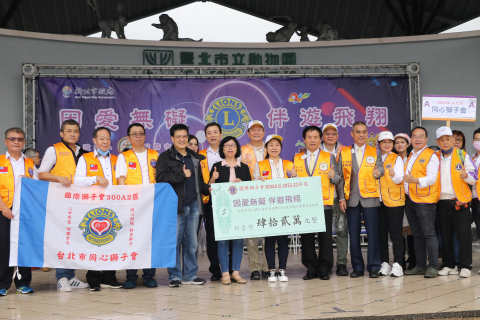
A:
[456,177]
[316,162]
[252,153]
[361,166]
[330,144]
[98,168]
[137,166]
[13,166]
[58,165]
[422,185]
[213,134]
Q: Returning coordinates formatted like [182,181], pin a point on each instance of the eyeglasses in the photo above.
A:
[13,139]
[230,146]
[137,134]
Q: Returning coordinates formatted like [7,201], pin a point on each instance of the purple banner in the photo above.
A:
[284,105]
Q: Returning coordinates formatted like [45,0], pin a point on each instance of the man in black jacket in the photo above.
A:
[179,166]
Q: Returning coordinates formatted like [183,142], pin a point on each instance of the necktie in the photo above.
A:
[359,157]
[311,163]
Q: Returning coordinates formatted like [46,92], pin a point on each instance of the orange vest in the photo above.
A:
[248,157]
[266,170]
[460,187]
[205,172]
[134,172]
[367,184]
[477,184]
[65,164]
[393,195]
[7,179]
[94,167]
[430,194]
[322,166]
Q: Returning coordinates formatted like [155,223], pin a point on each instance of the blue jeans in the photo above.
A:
[237,253]
[64,273]
[187,225]
[370,215]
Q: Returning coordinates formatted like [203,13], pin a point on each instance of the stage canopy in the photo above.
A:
[352,19]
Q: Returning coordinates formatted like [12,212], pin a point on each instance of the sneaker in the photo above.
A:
[283,276]
[95,288]
[28,290]
[385,269]
[465,273]
[272,277]
[150,283]
[111,284]
[3,292]
[397,270]
[174,283]
[431,272]
[77,284]
[63,285]
[197,281]
[129,284]
[415,271]
[446,271]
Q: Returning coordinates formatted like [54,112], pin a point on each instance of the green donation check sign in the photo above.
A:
[258,208]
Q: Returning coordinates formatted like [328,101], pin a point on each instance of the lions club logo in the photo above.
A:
[232,115]
[67,91]
[233,190]
[100,226]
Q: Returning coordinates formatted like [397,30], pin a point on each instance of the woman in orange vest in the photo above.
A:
[273,167]
[392,196]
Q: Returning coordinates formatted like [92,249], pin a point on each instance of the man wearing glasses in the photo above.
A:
[13,165]
[58,165]
[137,166]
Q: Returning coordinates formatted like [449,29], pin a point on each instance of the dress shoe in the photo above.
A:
[342,270]
[324,276]
[255,275]
[215,277]
[356,274]
[373,274]
[309,276]
[415,271]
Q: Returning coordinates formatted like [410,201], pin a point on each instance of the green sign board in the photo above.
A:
[258,208]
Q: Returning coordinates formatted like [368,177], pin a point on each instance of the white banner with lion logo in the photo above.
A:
[120,227]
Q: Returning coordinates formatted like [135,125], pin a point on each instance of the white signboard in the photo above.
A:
[454,108]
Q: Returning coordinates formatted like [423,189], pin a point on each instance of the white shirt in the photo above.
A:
[277,169]
[476,161]
[212,157]
[334,151]
[143,162]
[259,152]
[50,159]
[359,151]
[446,191]
[432,170]
[81,178]
[18,167]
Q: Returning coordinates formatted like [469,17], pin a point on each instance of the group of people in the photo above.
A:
[361,184]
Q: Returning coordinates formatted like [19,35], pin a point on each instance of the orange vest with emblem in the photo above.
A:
[94,167]
[7,179]
[65,164]
[134,172]
[460,187]
[477,184]
[248,157]
[266,169]
[205,172]
[367,184]
[430,194]
[322,166]
[393,195]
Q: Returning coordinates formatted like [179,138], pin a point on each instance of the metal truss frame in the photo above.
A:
[31,72]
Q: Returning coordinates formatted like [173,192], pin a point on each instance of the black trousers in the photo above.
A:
[321,264]
[390,222]
[95,278]
[456,222]
[6,272]
[282,242]
[476,215]
[212,251]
